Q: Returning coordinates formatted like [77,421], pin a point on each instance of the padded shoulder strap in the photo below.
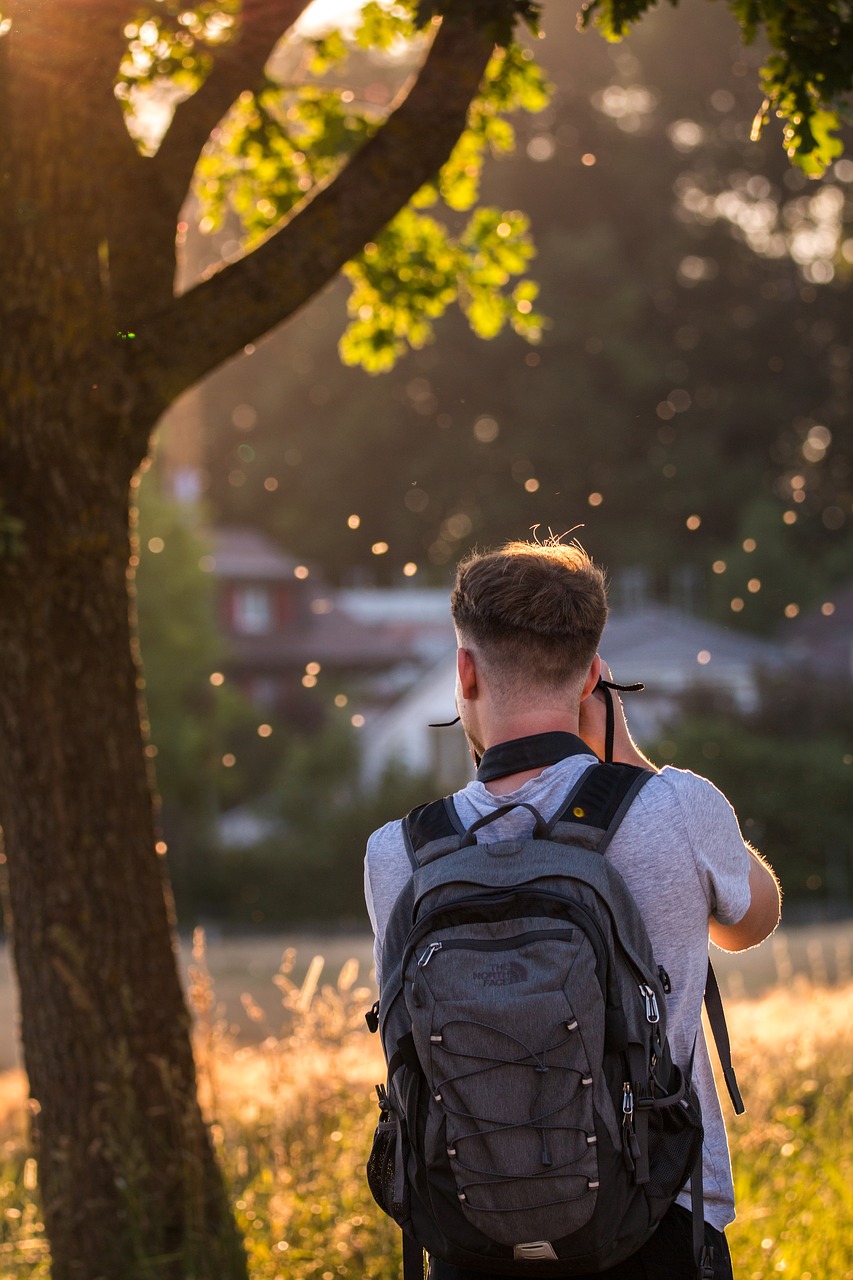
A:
[434,821]
[603,797]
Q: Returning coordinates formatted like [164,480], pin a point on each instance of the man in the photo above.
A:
[529,618]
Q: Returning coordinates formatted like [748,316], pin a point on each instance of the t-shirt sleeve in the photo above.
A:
[719,851]
[386,870]
[371,911]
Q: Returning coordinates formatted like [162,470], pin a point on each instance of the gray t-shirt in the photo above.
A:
[680,851]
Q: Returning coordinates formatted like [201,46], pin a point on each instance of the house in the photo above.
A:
[414,733]
[670,651]
[283,629]
[673,652]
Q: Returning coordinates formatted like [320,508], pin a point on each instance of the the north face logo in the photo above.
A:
[503,974]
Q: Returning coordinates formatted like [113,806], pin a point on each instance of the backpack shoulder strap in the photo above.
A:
[603,797]
[720,1031]
[436,820]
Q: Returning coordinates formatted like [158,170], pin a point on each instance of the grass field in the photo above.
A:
[293,1116]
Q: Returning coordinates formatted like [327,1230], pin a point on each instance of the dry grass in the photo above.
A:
[293,1114]
[792,1152]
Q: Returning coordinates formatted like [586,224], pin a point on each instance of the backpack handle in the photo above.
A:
[541,829]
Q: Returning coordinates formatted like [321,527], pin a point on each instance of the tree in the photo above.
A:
[95,346]
[96,343]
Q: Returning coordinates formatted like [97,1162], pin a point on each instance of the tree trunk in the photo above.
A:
[129,1183]
[130,1187]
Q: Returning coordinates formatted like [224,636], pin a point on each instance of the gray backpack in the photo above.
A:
[533,1122]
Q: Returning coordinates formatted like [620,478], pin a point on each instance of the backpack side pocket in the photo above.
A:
[386,1165]
[675,1137]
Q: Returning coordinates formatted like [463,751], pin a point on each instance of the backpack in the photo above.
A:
[533,1122]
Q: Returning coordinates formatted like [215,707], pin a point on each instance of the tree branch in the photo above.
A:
[244,300]
[237,66]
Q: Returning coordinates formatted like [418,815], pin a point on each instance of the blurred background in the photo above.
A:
[686,411]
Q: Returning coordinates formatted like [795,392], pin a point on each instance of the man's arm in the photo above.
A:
[762,914]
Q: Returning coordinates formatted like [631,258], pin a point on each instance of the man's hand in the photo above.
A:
[592,721]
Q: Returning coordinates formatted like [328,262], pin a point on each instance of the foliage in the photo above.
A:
[792,564]
[272,148]
[189,719]
[806,78]
[791,1151]
[280,143]
[786,767]
[171,46]
[498,15]
[724,394]
[293,1121]
[415,269]
[311,869]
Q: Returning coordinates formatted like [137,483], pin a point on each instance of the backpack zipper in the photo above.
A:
[474,900]
[425,923]
[493,944]
[652,1011]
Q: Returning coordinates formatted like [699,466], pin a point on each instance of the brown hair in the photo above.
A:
[535,611]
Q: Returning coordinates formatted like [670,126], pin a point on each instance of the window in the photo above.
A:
[252,611]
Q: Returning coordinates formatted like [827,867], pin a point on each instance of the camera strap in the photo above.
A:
[610,717]
[536,760]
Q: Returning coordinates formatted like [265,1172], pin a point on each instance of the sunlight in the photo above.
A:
[328,15]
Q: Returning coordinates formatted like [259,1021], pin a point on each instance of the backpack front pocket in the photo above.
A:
[507,1061]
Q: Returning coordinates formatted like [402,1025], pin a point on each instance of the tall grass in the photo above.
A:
[293,1118]
[792,1152]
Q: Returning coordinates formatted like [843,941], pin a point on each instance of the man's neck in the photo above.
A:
[525,725]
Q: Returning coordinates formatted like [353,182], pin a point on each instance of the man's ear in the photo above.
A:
[592,677]
[466,669]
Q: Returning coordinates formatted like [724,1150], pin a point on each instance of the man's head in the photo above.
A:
[532,614]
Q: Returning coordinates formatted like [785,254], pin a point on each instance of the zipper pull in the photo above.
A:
[372,1017]
[652,1011]
[628,1127]
[428,954]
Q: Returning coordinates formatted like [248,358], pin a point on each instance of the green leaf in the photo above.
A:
[807,78]
[512,82]
[273,148]
[383,26]
[416,269]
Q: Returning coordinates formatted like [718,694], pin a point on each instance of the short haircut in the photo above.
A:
[535,611]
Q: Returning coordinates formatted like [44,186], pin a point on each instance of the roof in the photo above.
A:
[658,645]
[655,644]
[332,639]
[416,619]
[398,604]
[249,555]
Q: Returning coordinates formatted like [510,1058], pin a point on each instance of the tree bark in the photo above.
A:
[128,1179]
[129,1183]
